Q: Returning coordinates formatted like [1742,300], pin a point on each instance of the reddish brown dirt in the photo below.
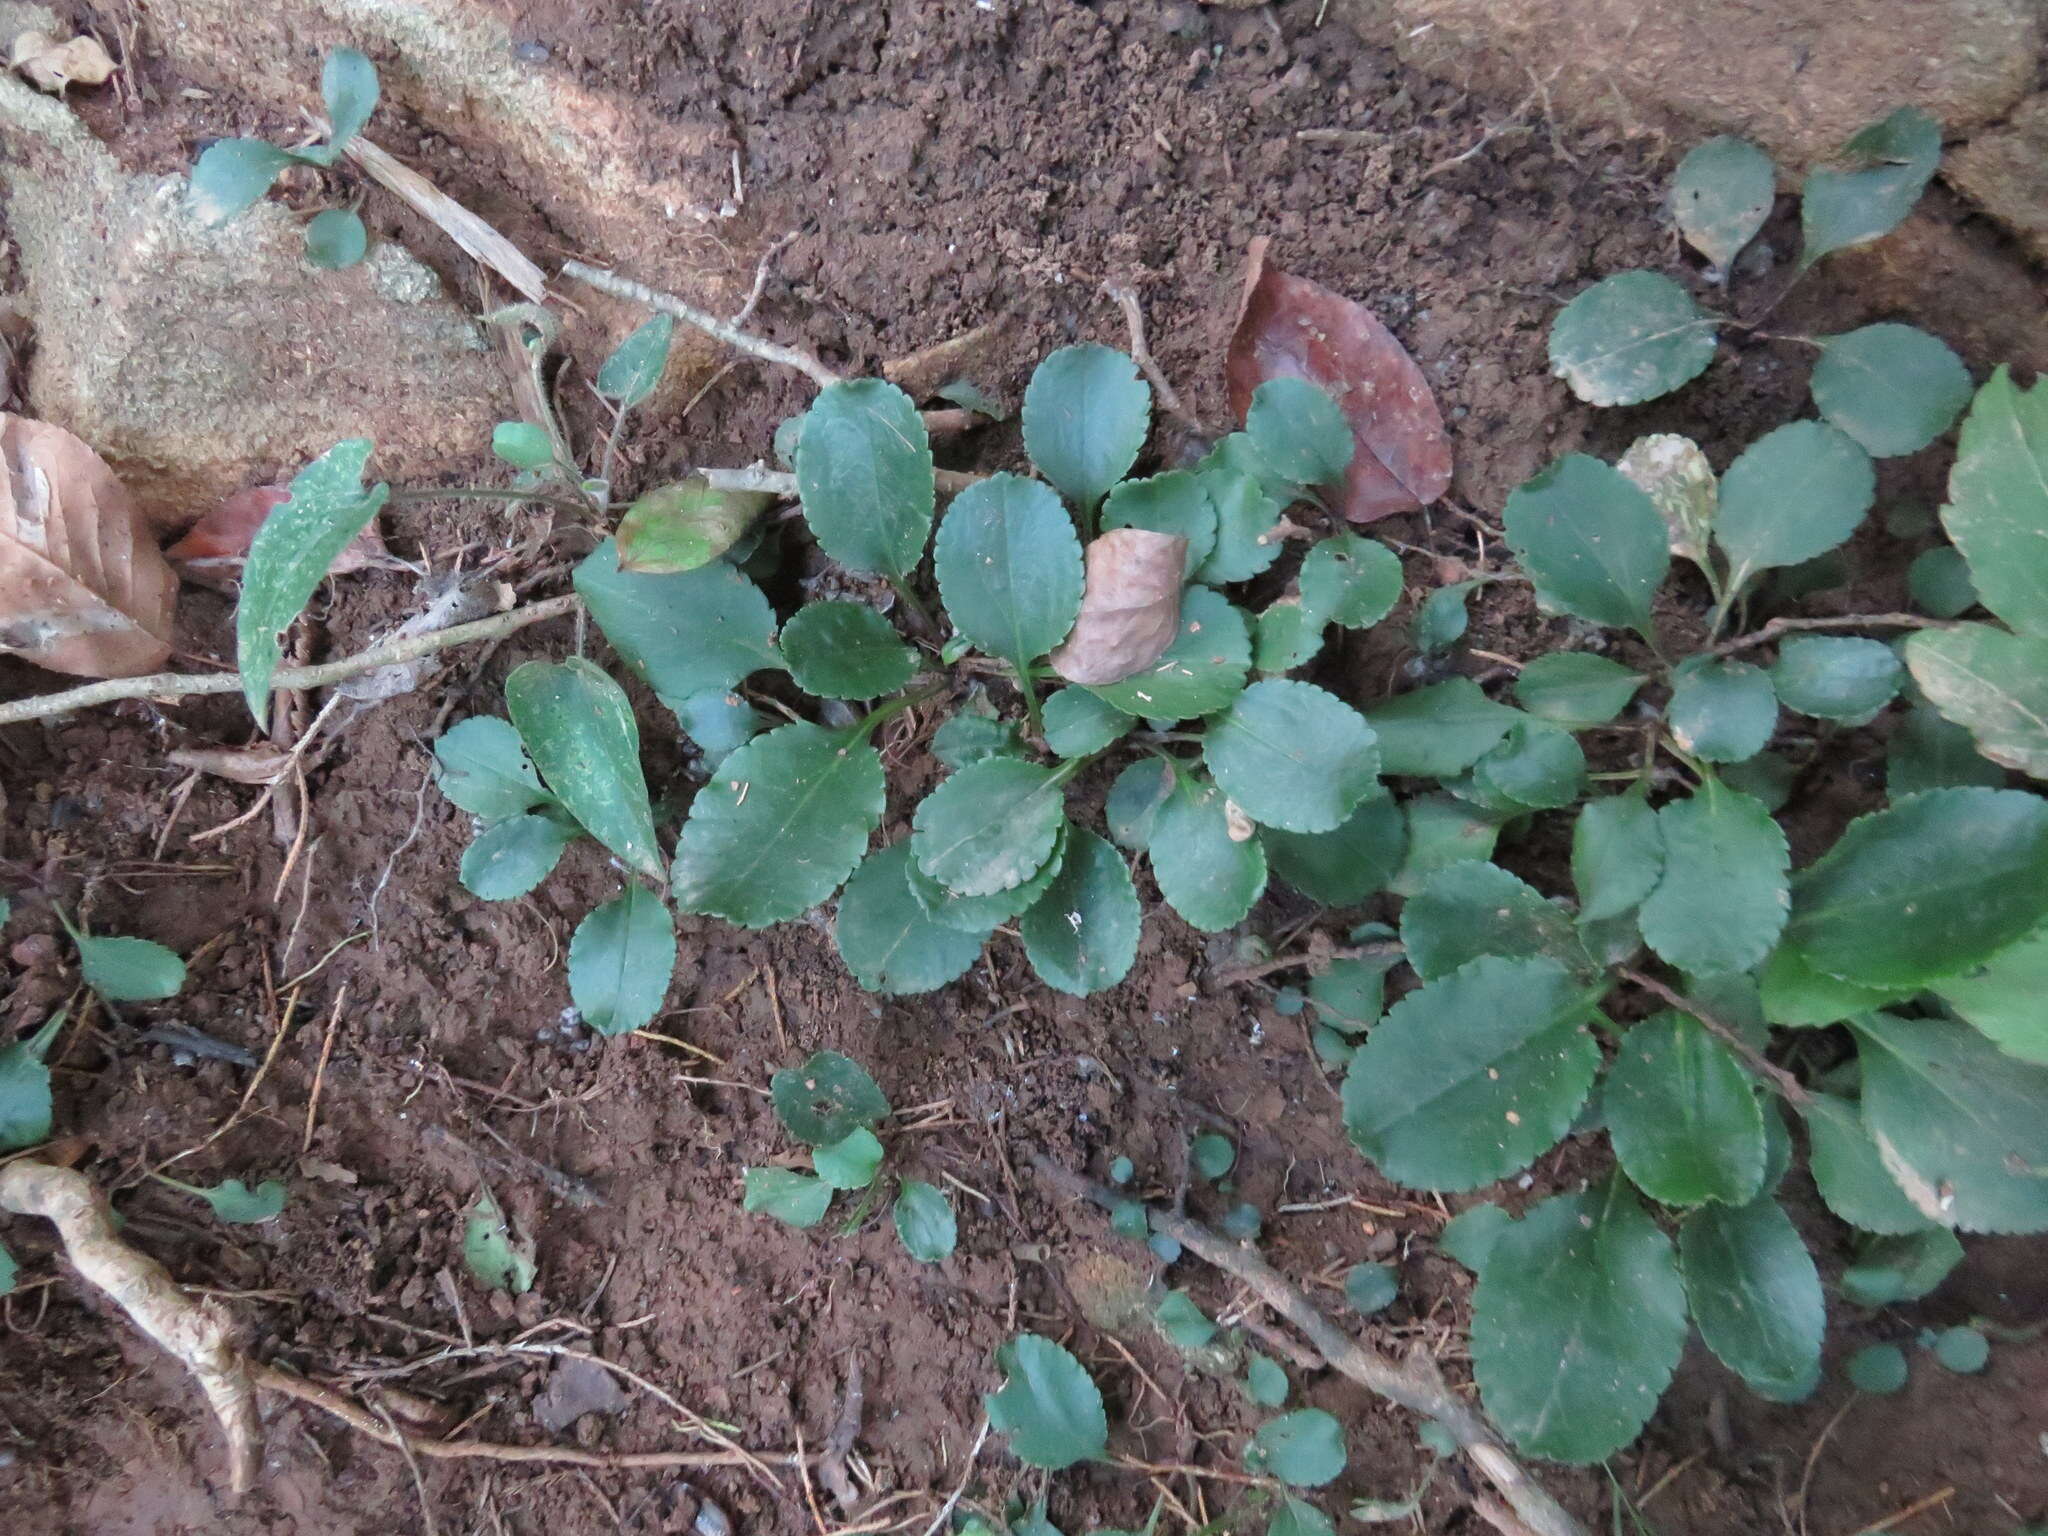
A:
[938,169]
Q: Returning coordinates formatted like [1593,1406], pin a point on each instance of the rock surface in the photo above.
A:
[2005,171]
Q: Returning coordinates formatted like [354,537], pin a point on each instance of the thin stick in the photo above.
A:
[966,1473]
[166,686]
[412,1464]
[1309,960]
[320,1072]
[1784,1082]
[284,1027]
[1414,1383]
[775,482]
[1918,1507]
[473,234]
[721,330]
[1162,387]
[1777,627]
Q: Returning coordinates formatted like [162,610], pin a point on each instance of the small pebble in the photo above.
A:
[544,1034]
[711,1520]
[580,1044]
[531,53]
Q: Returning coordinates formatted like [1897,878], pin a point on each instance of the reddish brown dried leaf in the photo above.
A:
[83,588]
[220,540]
[1130,607]
[1289,327]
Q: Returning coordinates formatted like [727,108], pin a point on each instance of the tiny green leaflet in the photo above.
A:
[1049,1408]
[620,961]
[1086,415]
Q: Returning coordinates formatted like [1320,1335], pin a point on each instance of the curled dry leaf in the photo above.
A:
[1290,327]
[1130,607]
[51,65]
[83,588]
[214,548]
[260,764]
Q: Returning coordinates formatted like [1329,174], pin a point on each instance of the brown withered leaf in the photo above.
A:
[1130,607]
[218,543]
[51,65]
[83,588]
[259,764]
[1290,327]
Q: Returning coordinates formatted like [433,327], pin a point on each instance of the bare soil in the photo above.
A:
[938,168]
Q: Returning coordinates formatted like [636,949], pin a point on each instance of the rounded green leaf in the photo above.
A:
[1134,801]
[510,857]
[1849,1171]
[1683,1115]
[489,1251]
[1962,1350]
[1793,993]
[1939,582]
[979,915]
[1439,731]
[1351,994]
[1793,494]
[129,970]
[889,940]
[684,525]
[924,1222]
[629,375]
[1009,568]
[1995,512]
[25,1102]
[843,650]
[1474,1076]
[1349,580]
[1371,1288]
[1175,502]
[1206,876]
[1722,711]
[795,1199]
[683,633]
[1756,1296]
[8,1271]
[1721,196]
[348,85]
[1298,1517]
[1212,1155]
[1928,889]
[1629,338]
[1536,765]
[236,1203]
[826,1099]
[1993,683]
[2003,999]
[1183,1323]
[1594,542]
[1720,902]
[620,962]
[1578,1321]
[864,474]
[232,174]
[719,723]
[1441,830]
[1246,511]
[1443,618]
[850,1163]
[1929,751]
[1470,1235]
[481,767]
[1471,909]
[578,728]
[1836,677]
[1300,431]
[1086,415]
[989,827]
[1891,387]
[1292,756]
[1264,1381]
[1200,673]
[974,733]
[522,445]
[335,238]
[1341,867]
[1304,1449]
[1576,689]
[784,821]
[1078,724]
[1889,163]
[1082,934]
[1905,1267]
[1617,856]
[1879,1369]
[1049,1406]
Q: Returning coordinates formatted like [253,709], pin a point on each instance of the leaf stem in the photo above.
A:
[740,341]
[1027,686]
[889,709]
[1777,627]
[1774,1075]
[907,594]
[413,493]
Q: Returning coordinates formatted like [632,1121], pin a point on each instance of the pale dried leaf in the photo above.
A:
[1290,327]
[1130,607]
[1675,475]
[260,764]
[51,65]
[83,588]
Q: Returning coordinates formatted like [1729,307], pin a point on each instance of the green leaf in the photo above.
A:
[1879,1369]
[1371,1288]
[1009,568]
[1350,580]
[1470,1235]
[1892,161]
[1298,1517]
[1351,994]
[1793,993]
[1958,1123]
[795,1199]
[1086,415]
[1265,1382]
[1212,1155]
[924,1222]
[1300,431]
[719,723]
[1467,910]
[522,445]
[1939,582]
[843,650]
[1963,1350]
[852,1162]
[1183,1323]
[1997,511]
[578,728]
[1576,689]
[1206,876]
[972,734]
[291,552]
[1536,765]
[1629,338]
[1472,1077]
[1993,683]
[1078,724]
[335,238]
[1683,1114]
[785,820]
[1905,1267]
[979,915]
[1246,510]
[1850,1173]
[1292,756]
[1441,831]
[1926,890]
[1617,856]
[990,826]
[1595,544]
[864,474]
[887,937]
[2003,1000]
[620,961]
[1720,903]
[489,1251]
[1721,196]
[1769,776]
[1049,1406]
[1342,867]
[1134,801]
[25,1104]
[1577,1323]
[236,1203]
[630,374]
[1928,751]
[348,84]
[684,525]
[1439,731]
[1891,387]
[508,858]
[8,1271]
[1081,936]
[1304,1449]
[1793,494]
[232,175]
[1756,1296]
[128,970]
[826,1099]
[1441,621]
[1836,677]
[1200,673]
[684,633]
[1722,711]
[1174,503]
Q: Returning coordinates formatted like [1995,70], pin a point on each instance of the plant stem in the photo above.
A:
[1309,960]
[741,341]
[757,476]
[415,493]
[1026,685]
[1776,1076]
[889,709]
[907,595]
[1777,627]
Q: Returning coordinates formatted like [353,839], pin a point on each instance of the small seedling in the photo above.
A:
[493,1255]
[125,970]
[235,1202]
[25,1104]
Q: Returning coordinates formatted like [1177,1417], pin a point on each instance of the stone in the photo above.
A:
[1977,299]
[198,361]
[2005,171]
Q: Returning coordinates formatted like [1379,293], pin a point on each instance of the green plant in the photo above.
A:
[232,174]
